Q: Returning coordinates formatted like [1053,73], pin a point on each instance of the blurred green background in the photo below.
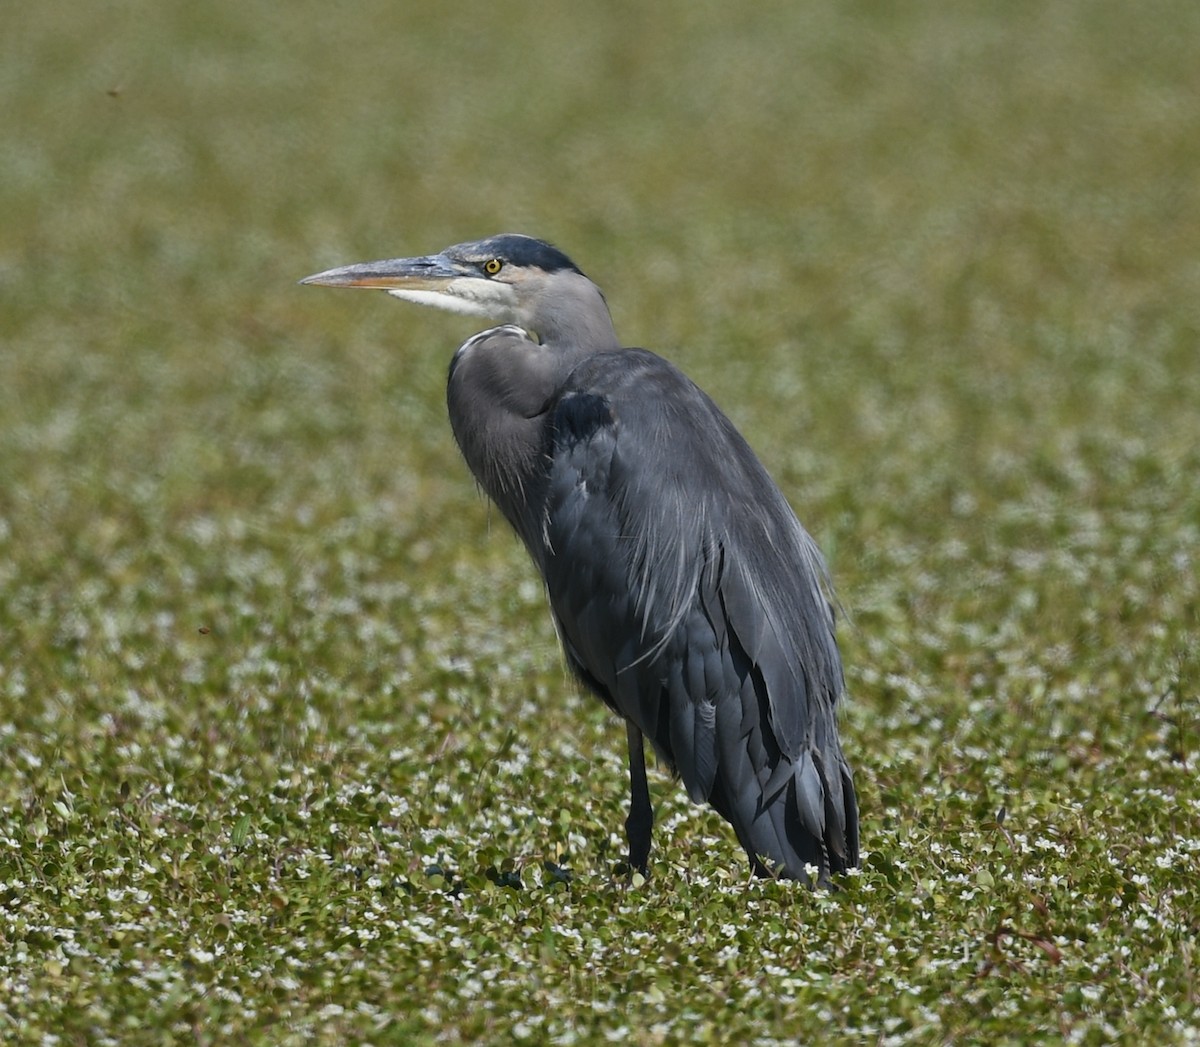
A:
[283,725]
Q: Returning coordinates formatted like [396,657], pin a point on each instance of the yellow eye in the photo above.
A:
[493,266]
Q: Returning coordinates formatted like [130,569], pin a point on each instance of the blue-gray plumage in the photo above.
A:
[685,592]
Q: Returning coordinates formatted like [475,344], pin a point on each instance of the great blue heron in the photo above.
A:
[686,594]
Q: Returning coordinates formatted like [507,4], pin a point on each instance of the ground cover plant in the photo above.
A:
[287,751]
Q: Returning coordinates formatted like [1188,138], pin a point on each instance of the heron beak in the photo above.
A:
[429,273]
[435,280]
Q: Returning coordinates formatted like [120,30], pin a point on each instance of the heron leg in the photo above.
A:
[641,815]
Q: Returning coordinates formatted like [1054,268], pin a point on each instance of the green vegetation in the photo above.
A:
[287,751]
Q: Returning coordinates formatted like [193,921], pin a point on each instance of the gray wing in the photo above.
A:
[691,600]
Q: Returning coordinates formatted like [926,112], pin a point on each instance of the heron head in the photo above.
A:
[507,278]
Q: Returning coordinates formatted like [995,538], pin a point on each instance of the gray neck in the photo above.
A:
[572,315]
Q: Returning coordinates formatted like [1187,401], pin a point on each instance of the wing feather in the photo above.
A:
[695,604]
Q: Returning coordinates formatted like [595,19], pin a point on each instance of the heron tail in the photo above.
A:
[790,815]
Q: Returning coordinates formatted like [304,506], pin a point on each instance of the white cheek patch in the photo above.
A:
[468,296]
[439,300]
